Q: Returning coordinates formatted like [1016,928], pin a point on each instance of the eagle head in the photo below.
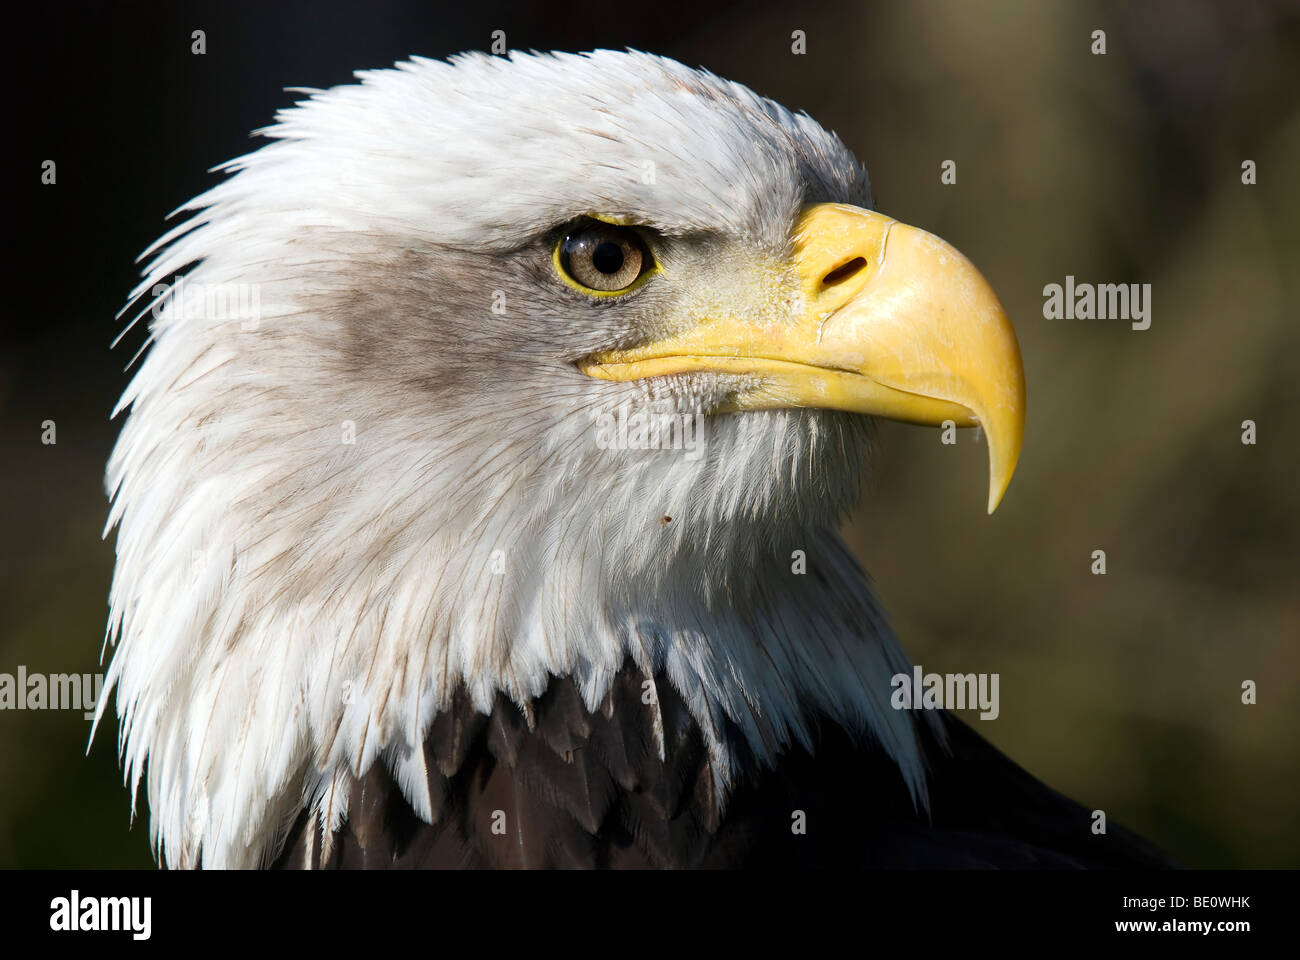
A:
[489,371]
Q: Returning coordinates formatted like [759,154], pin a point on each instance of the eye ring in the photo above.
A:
[603,259]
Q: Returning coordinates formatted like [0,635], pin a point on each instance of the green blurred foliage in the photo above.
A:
[1121,690]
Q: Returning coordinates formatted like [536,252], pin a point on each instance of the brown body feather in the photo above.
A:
[582,789]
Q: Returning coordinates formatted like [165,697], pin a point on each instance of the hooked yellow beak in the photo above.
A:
[895,323]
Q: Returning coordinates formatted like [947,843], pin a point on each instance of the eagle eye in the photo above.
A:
[602,258]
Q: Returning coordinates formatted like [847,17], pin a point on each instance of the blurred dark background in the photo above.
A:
[1124,690]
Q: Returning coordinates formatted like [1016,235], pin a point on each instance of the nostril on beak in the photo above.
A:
[843,272]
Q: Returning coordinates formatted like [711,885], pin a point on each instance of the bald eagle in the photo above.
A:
[390,590]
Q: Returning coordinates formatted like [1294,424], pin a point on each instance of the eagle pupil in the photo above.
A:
[607,257]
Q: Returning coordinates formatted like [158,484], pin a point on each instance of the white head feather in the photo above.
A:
[289,608]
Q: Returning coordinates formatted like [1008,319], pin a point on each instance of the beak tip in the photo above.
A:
[1000,474]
